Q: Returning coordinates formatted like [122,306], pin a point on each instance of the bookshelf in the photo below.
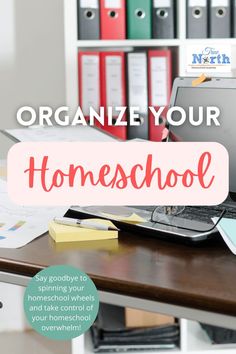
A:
[178,45]
[193,338]
[129,43]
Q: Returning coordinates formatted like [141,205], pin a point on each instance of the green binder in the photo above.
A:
[139,18]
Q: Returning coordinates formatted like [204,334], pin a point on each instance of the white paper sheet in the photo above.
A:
[159,81]
[20,225]
[162,3]
[220,3]
[90,83]
[198,3]
[138,91]
[89,4]
[114,81]
[112,4]
[79,133]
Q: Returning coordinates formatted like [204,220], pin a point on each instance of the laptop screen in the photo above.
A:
[222,98]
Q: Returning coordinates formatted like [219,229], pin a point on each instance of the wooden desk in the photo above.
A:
[185,281]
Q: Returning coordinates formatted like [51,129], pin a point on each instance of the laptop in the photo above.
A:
[191,224]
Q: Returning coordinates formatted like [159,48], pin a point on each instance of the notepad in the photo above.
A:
[227,229]
[107,246]
[63,233]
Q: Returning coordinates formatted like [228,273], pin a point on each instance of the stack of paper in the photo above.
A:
[20,225]
[227,229]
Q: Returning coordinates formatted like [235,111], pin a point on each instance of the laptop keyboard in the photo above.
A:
[200,213]
[204,214]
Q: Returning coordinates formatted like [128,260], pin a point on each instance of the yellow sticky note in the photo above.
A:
[63,233]
[132,219]
[199,80]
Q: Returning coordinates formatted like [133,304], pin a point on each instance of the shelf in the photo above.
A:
[129,43]
[89,348]
[151,42]
[229,41]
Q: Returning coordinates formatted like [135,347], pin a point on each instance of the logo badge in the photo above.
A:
[211,58]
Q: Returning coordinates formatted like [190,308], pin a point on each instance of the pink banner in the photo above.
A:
[120,173]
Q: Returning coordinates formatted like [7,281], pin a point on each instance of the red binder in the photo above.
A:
[113,90]
[113,19]
[89,82]
[160,82]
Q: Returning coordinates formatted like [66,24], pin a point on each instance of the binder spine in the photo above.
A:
[160,81]
[233,18]
[139,19]
[197,19]
[163,20]
[220,19]
[89,81]
[113,19]
[88,20]
[138,94]
[113,90]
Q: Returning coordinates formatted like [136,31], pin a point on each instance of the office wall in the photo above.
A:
[31,73]
[31,57]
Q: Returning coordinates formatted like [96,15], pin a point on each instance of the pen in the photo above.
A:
[85,224]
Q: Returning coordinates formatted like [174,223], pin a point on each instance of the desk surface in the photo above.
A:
[196,277]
